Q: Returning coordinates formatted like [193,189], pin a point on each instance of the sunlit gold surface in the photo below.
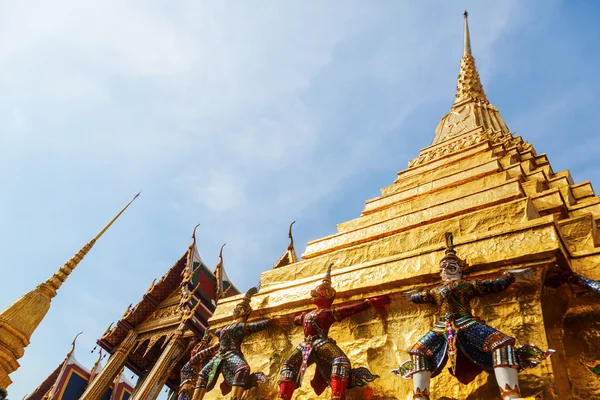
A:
[510,227]
[507,209]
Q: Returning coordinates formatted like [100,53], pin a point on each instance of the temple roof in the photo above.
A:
[156,293]
[144,356]
[184,295]
[45,389]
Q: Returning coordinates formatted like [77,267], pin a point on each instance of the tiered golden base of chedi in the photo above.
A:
[508,210]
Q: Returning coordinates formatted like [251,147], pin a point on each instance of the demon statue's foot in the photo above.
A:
[539,396]
[237,392]
[419,394]
[286,390]
[513,393]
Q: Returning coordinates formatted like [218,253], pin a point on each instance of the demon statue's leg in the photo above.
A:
[338,388]
[199,393]
[240,379]
[289,375]
[505,369]
[237,392]
[202,382]
[286,390]
[340,376]
[421,382]
[421,376]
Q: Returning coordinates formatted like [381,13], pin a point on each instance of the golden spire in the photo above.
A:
[19,321]
[471,112]
[469,87]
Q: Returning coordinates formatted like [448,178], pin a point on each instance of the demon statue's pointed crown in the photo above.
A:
[324,291]
[451,265]
[243,309]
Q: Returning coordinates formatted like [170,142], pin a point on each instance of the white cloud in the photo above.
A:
[18,122]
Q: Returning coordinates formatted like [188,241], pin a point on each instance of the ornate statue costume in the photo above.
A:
[189,372]
[229,359]
[333,366]
[465,340]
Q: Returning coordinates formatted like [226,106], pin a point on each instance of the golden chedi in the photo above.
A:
[508,210]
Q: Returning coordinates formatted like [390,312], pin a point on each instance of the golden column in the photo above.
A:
[20,320]
[157,377]
[113,367]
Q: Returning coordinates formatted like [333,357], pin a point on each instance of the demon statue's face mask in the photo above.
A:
[241,311]
[451,269]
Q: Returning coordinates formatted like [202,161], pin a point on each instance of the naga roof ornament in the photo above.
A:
[289,256]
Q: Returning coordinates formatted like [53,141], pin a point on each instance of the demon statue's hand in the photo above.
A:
[408,294]
[379,302]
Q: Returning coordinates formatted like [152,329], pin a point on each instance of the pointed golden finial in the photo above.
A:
[467,51]
[20,320]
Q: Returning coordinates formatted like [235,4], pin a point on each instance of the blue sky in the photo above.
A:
[244,117]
